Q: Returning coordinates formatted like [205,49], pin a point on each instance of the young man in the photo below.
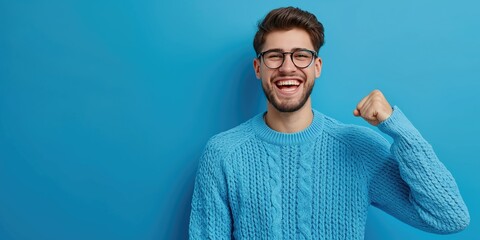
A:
[294,173]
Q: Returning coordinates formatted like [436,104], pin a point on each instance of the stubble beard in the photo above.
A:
[286,107]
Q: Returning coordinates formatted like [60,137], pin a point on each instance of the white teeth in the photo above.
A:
[288,83]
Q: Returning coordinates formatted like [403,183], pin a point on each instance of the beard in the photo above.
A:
[287,106]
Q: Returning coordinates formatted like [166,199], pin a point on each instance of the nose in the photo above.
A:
[287,65]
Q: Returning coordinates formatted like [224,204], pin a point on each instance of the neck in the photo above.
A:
[289,122]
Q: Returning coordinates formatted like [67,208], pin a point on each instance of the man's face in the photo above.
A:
[288,88]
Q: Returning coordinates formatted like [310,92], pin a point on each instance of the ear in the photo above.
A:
[256,67]
[318,67]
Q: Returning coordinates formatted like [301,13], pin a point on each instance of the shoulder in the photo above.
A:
[225,142]
[357,137]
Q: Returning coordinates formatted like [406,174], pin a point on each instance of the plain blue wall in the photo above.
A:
[105,106]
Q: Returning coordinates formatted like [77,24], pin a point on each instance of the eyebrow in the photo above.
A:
[281,50]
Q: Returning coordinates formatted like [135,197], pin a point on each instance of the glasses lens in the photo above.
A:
[302,58]
[273,59]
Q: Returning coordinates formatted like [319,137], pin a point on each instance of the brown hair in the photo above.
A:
[288,18]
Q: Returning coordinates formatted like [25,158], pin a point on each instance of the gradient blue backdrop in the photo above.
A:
[105,106]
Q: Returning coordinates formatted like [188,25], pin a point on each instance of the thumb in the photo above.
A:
[356,113]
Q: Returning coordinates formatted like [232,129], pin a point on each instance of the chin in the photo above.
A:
[288,107]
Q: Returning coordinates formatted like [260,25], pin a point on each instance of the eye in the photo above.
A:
[302,55]
[273,56]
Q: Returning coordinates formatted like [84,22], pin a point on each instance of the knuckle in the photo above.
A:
[376,93]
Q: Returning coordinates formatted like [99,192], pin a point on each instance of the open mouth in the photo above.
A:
[288,86]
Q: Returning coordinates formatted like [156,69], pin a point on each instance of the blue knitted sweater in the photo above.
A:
[256,183]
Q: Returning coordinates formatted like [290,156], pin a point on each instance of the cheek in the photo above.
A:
[266,84]
[311,75]
[266,76]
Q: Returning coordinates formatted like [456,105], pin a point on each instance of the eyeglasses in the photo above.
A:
[274,59]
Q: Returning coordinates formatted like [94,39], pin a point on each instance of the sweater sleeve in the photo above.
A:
[210,217]
[410,183]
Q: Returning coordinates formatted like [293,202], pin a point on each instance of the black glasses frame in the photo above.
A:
[262,54]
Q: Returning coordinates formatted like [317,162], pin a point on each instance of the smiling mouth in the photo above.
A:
[287,86]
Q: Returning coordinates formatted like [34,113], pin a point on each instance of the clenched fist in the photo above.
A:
[374,108]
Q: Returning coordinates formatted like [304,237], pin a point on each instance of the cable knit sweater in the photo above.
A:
[256,183]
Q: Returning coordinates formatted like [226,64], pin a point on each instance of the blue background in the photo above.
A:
[105,106]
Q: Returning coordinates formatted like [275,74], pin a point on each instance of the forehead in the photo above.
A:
[288,40]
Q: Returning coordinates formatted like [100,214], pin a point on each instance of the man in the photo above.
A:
[294,173]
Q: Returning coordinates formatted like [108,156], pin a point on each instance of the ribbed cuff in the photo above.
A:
[398,125]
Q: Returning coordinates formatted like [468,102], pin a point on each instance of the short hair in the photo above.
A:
[287,18]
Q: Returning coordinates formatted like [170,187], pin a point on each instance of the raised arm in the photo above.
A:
[408,181]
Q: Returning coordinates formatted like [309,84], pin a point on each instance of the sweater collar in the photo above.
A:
[264,132]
